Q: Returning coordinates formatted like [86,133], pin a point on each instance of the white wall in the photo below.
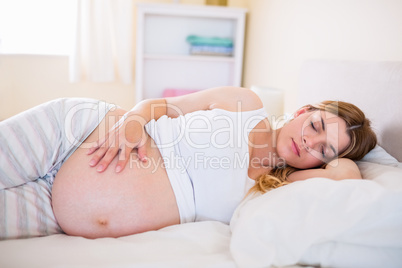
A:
[280,35]
[283,33]
[28,80]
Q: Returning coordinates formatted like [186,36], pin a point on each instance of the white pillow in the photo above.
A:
[380,156]
[339,254]
[349,223]
[388,176]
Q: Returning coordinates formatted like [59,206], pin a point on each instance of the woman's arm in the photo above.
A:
[337,169]
[227,98]
[129,133]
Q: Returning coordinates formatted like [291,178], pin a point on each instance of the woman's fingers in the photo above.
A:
[93,149]
[112,150]
[97,145]
[104,150]
[107,159]
[123,158]
[100,152]
[142,153]
[100,147]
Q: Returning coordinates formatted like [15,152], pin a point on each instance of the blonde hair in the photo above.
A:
[362,137]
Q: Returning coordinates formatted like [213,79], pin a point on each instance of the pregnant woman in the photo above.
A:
[177,160]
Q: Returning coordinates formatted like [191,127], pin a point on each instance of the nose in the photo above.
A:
[313,142]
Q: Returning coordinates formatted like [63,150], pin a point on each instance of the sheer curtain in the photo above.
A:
[103,45]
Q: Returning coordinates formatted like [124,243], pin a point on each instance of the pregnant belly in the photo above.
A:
[109,204]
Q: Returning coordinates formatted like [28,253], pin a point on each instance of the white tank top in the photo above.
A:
[206,156]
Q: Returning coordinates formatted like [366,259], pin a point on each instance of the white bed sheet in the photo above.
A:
[202,244]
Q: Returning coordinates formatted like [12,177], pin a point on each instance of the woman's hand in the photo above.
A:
[337,169]
[343,168]
[128,133]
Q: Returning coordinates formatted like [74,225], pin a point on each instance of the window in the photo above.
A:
[43,27]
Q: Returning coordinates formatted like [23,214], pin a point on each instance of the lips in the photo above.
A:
[295,148]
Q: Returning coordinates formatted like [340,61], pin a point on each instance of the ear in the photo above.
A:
[301,111]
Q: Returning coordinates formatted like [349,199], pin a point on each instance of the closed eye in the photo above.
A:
[322,124]
[312,125]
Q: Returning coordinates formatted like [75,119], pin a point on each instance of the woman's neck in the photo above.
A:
[264,153]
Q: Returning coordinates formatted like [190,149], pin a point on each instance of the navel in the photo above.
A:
[102,222]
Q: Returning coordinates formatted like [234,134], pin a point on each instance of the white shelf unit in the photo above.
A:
[163,60]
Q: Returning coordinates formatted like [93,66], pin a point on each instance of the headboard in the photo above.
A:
[375,87]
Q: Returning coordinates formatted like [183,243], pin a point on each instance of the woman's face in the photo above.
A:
[312,138]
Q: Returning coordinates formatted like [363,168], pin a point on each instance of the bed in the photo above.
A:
[317,222]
